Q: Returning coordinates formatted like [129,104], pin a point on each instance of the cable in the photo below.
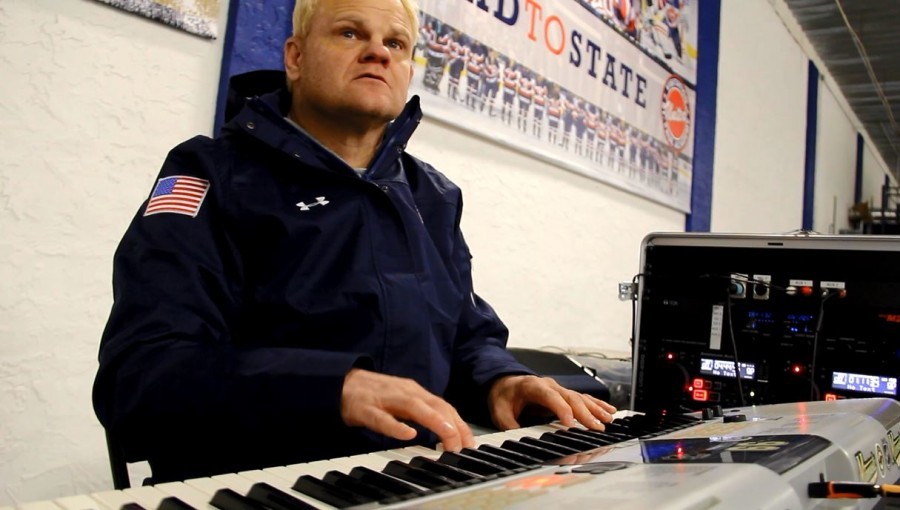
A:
[819,320]
[868,64]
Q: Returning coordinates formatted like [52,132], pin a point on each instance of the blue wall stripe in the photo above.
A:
[812,122]
[858,186]
[254,40]
[705,131]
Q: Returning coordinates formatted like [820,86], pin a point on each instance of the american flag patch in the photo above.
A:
[178,194]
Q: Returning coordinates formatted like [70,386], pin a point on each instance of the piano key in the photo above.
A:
[498,438]
[595,436]
[418,476]
[530,450]
[113,499]
[560,449]
[275,498]
[79,502]
[334,496]
[38,505]
[347,482]
[572,442]
[186,493]
[472,464]
[453,473]
[147,496]
[173,503]
[133,506]
[482,455]
[517,457]
[386,482]
[228,499]
[282,484]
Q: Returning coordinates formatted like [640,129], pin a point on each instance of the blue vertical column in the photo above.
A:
[254,39]
[812,124]
[709,14]
[858,182]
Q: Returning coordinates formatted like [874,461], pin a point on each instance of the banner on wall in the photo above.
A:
[194,16]
[604,88]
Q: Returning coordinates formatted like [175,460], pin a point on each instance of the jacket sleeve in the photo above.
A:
[172,378]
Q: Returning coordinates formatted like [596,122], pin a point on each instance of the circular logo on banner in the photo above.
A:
[676,113]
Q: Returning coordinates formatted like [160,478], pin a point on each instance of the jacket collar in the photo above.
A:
[262,117]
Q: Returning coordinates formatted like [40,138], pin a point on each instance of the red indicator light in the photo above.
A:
[679,452]
[806,291]
[698,383]
[830,396]
[797,369]
[701,395]
[670,356]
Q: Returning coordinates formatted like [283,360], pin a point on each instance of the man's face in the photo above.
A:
[355,63]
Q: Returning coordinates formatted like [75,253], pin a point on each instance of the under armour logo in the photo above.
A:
[319,201]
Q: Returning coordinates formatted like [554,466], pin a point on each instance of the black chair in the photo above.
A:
[118,463]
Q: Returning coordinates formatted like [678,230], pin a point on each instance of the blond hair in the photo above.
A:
[304,10]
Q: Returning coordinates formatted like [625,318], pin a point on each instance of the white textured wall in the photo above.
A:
[761,124]
[549,246]
[835,165]
[91,99]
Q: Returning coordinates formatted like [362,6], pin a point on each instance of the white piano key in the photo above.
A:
[207,486]
[81,502]
[235,482]
[113,499]
[283,485]
[316,468]
[38,505]
[148,497]
[371,461]
[190,495]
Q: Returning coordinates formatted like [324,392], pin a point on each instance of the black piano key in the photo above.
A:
[385,482]
[558,448]
[227,499]
[493,459]
[131,506]
[351,484]
[327,493]
[173,503]
[572,442]
[418,476]
[530,450]
[623,429]
[446,470]
[600,438]
[521,458]
[276,499]
[472,464]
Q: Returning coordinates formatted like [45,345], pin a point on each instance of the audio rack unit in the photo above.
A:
[738,320]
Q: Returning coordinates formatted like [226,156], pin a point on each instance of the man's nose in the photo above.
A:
[377,51]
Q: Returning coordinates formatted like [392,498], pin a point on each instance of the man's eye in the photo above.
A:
[397,45]
[349,34]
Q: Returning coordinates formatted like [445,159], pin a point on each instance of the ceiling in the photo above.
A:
[866,66]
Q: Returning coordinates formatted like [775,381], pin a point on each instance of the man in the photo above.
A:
[298,288]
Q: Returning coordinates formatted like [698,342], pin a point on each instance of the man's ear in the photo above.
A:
[293,55]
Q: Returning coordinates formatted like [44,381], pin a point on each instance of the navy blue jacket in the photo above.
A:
[231,331]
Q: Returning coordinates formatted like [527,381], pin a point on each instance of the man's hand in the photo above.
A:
[511,394]
[378,402]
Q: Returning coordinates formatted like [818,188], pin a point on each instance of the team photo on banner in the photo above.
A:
[604,88]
